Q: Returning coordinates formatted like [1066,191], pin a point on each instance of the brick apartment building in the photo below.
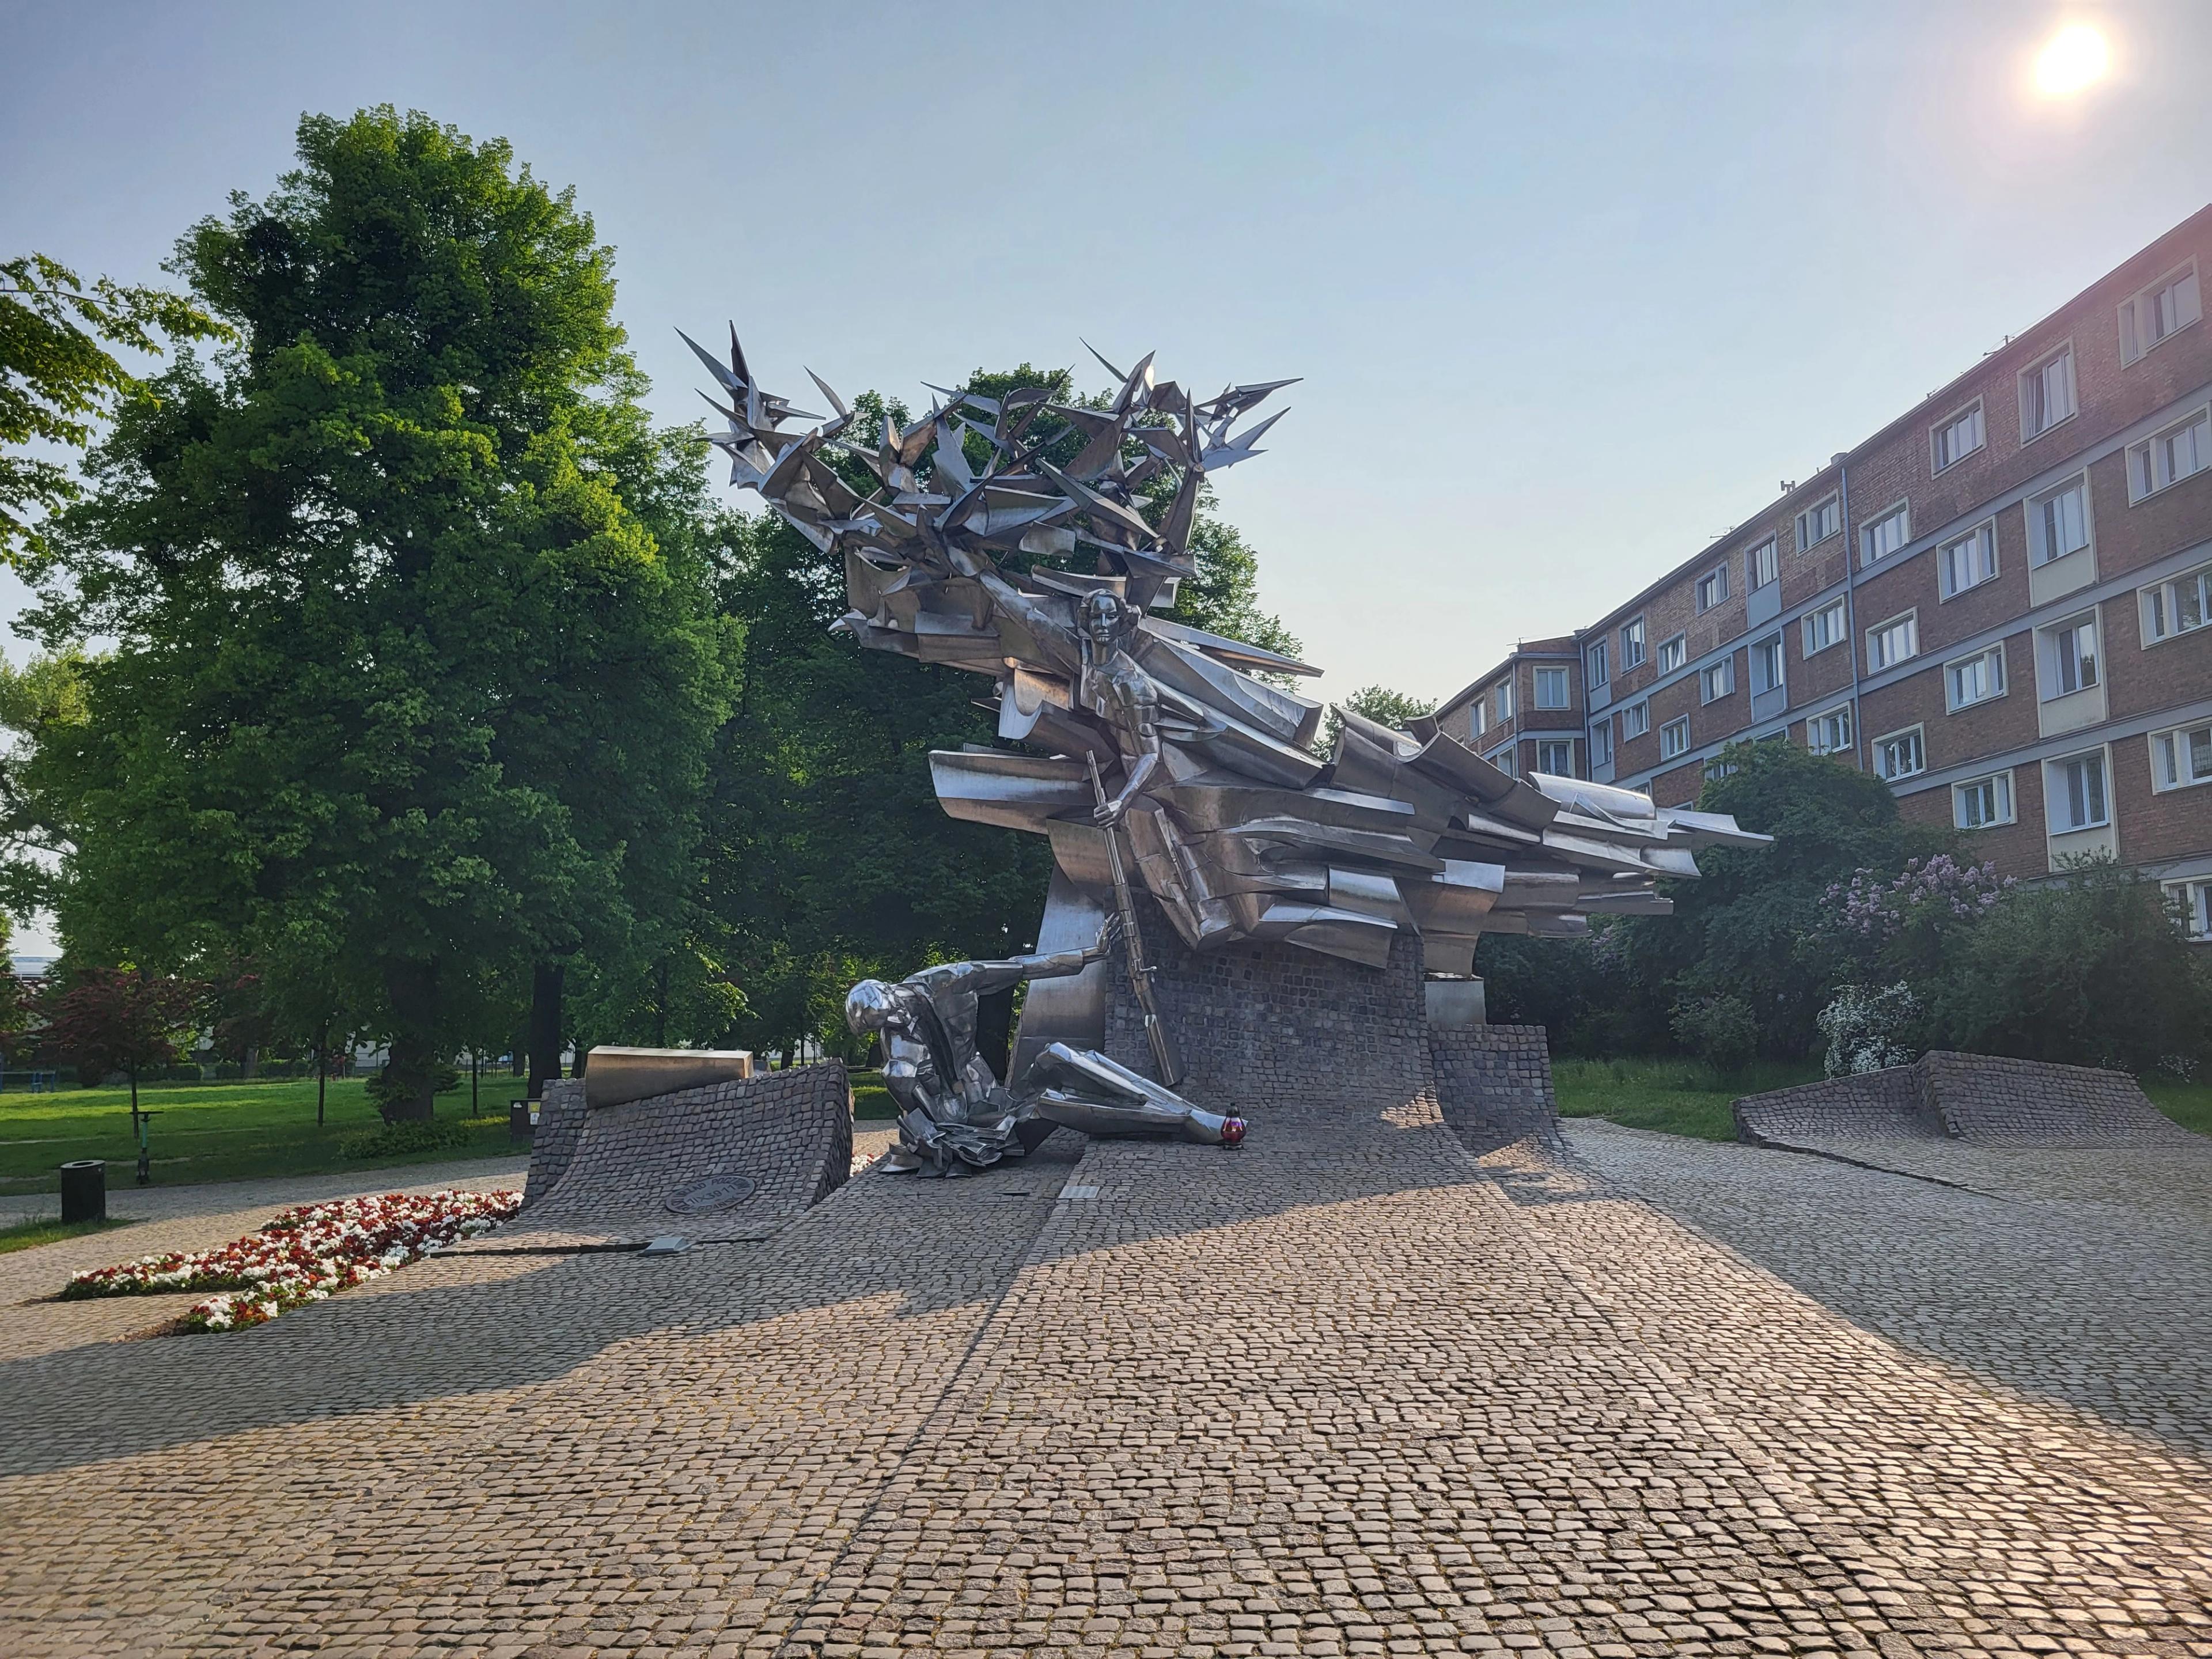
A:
[2001,603]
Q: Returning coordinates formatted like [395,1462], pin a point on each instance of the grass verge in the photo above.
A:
[46,1229]
[1679,1096]
[232,1131]
[2189,1104]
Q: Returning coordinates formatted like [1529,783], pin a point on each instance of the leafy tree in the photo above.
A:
[407,692]
[1377,703]
[39,701]
[119,1019]
[56,377]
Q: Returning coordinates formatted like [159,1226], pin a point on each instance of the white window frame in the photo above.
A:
[1772,546]
[2194,895]
[2032,377]
[2148,475]
[1632,644]
[1565,680]
[1897,513]
[1970,412]
[1506,758]
[1840,717]
[1718,594]
[1910,621]
[2038,539]
[1984,537]
[1601,744]
[1478,716]
[1830,509]
[1716,679]
[1597,668]
[2051,658]
[1918,734]
[1835,615]
[1676,733]
[1568,744]
[1508,699]
[1678,648]
[1996,653]
[2132,349]
[2159,603]
[2058,788]
[1636,721]
[1780,678]
[2002,798]
[2167,751]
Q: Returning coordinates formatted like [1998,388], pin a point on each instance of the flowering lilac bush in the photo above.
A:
[1896,928]
[302,1255]
[1868,1029]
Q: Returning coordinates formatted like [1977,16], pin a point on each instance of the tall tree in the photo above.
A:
[58,377]
[405,685]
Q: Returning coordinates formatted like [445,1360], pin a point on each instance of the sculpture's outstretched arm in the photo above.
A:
[983,977]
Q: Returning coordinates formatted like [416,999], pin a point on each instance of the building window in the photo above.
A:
[2181,605]
[1636,719]
[1766,664]
[2058,521]
[1879,538]
[2167,458]
[2075,790]
[2194,899]
[1824,628]
[2159,311]
[1552,688]
[1601,744]
[1890,643]
[1970,561]
[1556,757]
[1503,760]
[1761,565]
[1955,439]
[1712,588]
[1477,717]
[1632,644]
[1673,653]
[1817,523]
[2068,652]
[1979,803]
[1599,671]
[2181,758]
[1504,701]
[1830,733]
[1716,679]
[2046,393]
[1974,679]
[1674,738]
[1900,754]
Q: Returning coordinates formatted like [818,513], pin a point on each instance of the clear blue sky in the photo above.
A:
[1571,287]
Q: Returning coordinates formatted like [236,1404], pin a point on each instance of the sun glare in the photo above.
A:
[2077,56]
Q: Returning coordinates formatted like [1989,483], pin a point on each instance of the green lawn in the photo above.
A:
[222,1130]
[48,1229]
[1687,1098]
[869,1097]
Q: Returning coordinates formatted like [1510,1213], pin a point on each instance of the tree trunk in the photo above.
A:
[322,1068]
[583,1056]
[411,1074]
[252,1063]
[546,980]
[660,1008]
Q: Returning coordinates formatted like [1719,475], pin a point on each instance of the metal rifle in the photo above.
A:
[1165,1059]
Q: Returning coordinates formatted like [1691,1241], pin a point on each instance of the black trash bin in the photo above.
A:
[84,1190]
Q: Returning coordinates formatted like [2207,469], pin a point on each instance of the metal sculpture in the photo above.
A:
[953,1113]
[955,550]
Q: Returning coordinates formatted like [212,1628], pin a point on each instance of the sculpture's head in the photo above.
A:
[867,1005]
[1104,618]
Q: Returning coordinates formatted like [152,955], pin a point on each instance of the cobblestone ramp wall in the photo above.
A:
[1494,1082]
[1980,1099]
[560,1122]
[1267,1026]
[789,1133]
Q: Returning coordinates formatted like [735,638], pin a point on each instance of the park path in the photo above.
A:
[1350,1390]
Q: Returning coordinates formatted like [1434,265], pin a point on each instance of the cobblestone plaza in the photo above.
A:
[1365,1385]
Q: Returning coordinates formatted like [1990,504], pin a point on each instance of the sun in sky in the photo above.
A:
[2076,56]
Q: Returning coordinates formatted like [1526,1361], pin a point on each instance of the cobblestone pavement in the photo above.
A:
[1350,1389]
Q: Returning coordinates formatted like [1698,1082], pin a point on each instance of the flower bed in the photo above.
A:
[302,1255]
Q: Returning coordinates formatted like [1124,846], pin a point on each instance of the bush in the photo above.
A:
[1869,1030]
[408,1135]
[1721,1030]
